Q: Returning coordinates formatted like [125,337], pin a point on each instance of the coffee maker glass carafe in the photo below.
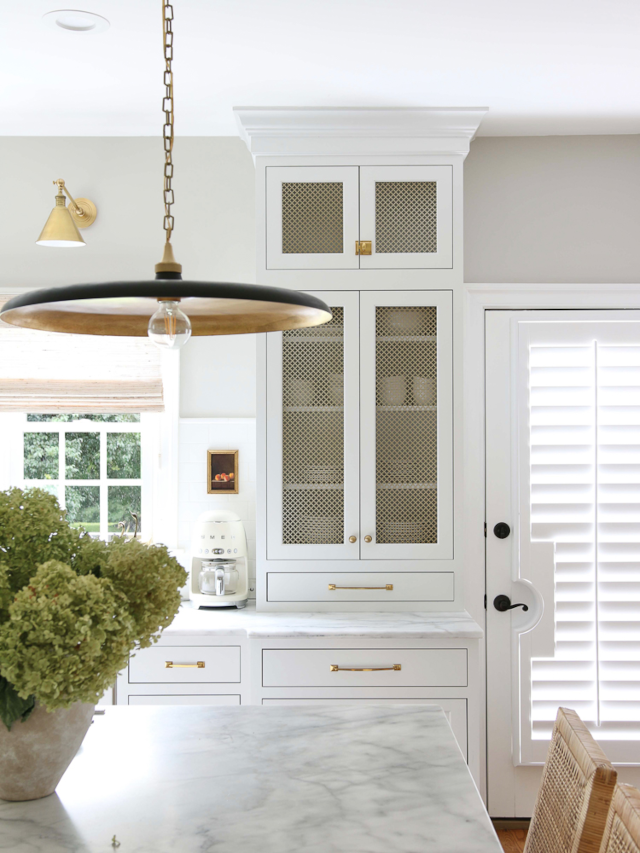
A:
[218,577]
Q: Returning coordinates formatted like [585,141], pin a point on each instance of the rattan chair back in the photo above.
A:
[575,793]
[622,832]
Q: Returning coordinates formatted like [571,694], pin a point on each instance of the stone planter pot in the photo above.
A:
[34,755]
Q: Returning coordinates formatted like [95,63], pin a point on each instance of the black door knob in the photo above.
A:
[503,603]
[502,530]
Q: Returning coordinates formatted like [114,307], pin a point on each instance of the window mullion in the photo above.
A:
[104,512]
[62,455]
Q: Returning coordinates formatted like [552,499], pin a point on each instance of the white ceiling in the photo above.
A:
[545,67]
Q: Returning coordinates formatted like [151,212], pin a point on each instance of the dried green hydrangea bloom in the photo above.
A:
[72,608]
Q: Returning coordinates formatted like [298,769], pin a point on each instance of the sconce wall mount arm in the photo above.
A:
[82,210]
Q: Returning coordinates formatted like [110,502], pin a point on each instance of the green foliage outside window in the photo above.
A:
[82,456]
[41,455]
[67,419]
[123,455]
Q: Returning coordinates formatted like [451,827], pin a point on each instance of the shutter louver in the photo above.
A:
[43,372]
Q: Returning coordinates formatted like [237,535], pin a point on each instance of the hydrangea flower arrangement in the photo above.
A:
[72,608]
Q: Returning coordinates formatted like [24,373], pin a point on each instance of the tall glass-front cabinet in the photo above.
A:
[359,432]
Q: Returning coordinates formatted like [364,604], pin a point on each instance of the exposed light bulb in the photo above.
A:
[169,327]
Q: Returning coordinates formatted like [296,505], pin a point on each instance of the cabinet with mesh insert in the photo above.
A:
[359,431]
[359,217]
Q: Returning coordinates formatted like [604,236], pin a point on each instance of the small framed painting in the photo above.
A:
[222,472]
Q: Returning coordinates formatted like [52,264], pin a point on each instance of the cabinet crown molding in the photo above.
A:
[273,131]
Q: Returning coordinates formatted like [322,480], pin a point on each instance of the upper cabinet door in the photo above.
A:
[406,213]
[406,461]
[312,437]
[312,217]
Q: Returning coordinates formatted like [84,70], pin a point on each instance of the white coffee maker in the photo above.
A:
[219,571]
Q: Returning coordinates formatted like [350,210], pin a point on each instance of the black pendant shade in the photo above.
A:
[123,308]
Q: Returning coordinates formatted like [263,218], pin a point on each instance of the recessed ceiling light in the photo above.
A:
[76,21]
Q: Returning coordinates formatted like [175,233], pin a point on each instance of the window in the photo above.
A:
[94,420]
[92,464]
[582,490]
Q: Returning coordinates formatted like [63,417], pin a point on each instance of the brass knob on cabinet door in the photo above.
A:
[367,539]
[353,539]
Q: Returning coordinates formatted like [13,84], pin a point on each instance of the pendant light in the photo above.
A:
[168,309]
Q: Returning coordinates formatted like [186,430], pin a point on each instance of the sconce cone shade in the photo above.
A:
[60,231]
[125,307]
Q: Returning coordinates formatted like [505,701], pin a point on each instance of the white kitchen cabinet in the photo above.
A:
[186,699]
[309,587]
[319,217]
[359,432]
[312,217]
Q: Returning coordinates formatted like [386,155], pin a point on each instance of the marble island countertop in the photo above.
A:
[341,779]
[253,624]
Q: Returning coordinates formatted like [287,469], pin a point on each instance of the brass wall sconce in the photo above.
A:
[61,228]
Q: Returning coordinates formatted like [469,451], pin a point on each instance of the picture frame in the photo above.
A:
[224,465]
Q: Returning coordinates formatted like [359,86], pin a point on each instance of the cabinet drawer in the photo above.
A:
[211,699]
[352,586]
[455,710]
[190,664]
[359,668]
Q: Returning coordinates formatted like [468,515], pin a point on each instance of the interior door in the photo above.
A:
[312,437]
[312,217]
[406,470]
[406,212]
[563,480]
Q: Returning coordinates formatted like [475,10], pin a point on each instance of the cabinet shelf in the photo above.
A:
[314,487]
[407,486]
[406,338]
[407,408]
[313,408]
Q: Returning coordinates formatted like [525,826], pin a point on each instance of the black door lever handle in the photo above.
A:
[503,603]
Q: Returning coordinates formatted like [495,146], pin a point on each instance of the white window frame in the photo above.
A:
[145,427]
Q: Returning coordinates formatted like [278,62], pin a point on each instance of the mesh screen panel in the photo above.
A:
[406,217]
[406,425]
[313,434]
[312,218]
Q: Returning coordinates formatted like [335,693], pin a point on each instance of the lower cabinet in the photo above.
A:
[181,699]
[230,670]
[455,709]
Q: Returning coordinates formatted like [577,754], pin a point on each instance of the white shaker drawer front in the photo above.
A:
[455,710]
[219,699]
[364,668]
[185,664]
[360,586]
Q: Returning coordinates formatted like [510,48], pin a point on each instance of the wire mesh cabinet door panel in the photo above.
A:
[406,435]
[312,217]
[406,213]
[313,436]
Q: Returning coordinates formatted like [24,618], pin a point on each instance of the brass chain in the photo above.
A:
[167,107]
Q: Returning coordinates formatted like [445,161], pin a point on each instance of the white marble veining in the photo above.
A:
[254,624]
[340,779]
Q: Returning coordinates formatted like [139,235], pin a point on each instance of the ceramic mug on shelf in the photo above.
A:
[424,391]
[392,390]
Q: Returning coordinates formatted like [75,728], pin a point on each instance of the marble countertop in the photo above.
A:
[318,779]
[378,625]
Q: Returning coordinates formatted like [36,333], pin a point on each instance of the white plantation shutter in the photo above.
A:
[584,495]
[44,372]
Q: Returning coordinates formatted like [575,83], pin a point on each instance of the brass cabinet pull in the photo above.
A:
[169,664]
[353,539]
[367,539]
[388,587]
[335,668]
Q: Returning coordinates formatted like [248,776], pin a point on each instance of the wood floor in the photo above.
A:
[512,840]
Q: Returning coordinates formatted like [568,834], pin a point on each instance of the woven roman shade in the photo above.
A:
[43,372]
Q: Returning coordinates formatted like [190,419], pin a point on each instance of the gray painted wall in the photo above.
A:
[537,209]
